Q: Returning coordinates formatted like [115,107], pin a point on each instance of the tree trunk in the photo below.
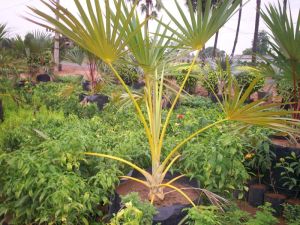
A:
[1,111]
[255,39]
[56,47]
[147,16]
[237,29]
[215,45]
[284,5]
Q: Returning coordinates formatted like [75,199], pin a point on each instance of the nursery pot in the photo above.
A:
[43,78]
[86,85]
[276,201]
[262,94]
[282,148]
[169,211]
[214,98]
[256,194]
[293,201]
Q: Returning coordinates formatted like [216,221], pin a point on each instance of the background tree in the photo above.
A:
[150,8]
[263,44]
[237,29]
[255,39]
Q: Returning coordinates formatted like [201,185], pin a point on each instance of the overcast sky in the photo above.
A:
[11,11]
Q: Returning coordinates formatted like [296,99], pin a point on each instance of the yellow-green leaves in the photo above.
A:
[194,30]
[97,29]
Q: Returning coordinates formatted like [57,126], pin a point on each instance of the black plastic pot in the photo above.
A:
[43,78]
[214,98]
[262,94]
[169,215]
[86,85]
[1,111]
[138,85]
[99,99]
[276,201]
[282,152]
[256,194]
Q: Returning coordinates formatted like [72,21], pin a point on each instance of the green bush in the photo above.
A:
[292,214]
[129,74]
[244,79]
[135,211]
[210,81]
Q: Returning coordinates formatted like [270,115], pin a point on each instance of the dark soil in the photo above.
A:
[171,198]
[285,143]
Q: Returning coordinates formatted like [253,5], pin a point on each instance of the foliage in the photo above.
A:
[128,73]
[134,211]
[259,155]
[244,79]
[211,215]
[111,36]
[211,81]
[191,82]
[263,45]
[264,216]
[290,174]
[203,215]
[292,214]
[216,161]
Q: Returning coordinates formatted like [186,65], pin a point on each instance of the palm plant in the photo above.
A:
[3,31]
[286,39]
[110,37]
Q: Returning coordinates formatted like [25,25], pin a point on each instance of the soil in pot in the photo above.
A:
[169,210]
[256,194]
[276,201]
[293,201]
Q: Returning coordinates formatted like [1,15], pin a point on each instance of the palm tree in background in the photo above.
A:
[150,8]
[255,39]
[3,31]
[284,5]
[237,29]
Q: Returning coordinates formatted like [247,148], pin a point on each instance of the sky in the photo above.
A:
[11,12]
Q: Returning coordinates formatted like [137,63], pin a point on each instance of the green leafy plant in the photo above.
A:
[264,216]
[244,79]
[291,172]
[134,211]
[111,36]
[292,214]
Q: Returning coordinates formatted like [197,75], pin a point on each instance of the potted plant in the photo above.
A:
[112,35]
[259,160]
[288,169]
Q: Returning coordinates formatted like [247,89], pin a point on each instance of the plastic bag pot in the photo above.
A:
[256,194]
[43,78]
[167,215]
[277,201]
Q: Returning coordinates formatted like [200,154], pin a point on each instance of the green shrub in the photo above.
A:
[292,214]
[135,211]
[191,82]
[210,81]
[244,79]
[264,216]
[129,74]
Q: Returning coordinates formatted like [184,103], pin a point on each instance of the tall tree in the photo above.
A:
[284,5]
[56,46]
[255,39]
[150,8]
[237,29]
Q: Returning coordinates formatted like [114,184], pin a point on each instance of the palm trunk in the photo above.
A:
[255,39]
[237,30]
[56,47]
[284,5]
[147,16]
[215,44]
